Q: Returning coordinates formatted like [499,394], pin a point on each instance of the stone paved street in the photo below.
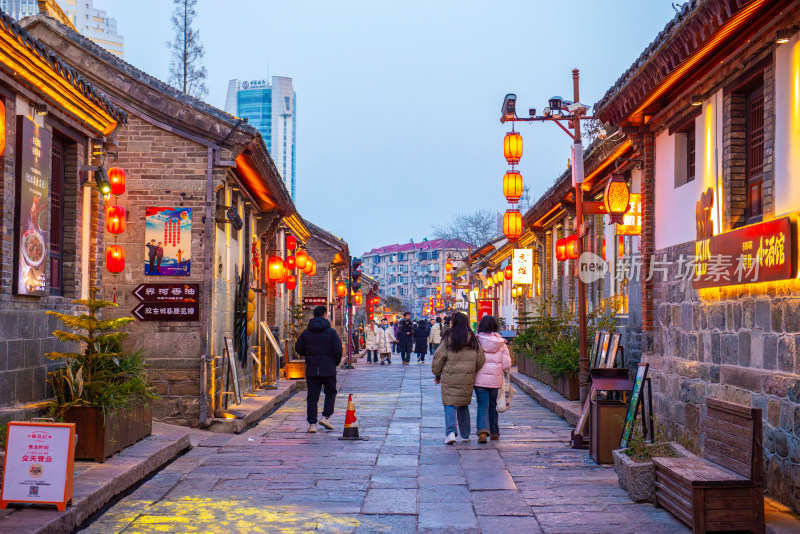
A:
[277,478]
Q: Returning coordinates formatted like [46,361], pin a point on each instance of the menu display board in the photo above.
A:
[168,241]
[32,213]
[39,464]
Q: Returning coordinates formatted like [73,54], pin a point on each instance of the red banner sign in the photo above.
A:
[762,252]
[484,308]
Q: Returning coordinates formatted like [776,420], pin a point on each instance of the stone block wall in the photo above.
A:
[740,344]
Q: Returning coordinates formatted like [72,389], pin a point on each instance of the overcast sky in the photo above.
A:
[398,103]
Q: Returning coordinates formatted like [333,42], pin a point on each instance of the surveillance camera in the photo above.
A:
[509,111]
[546,112]
[577,109]
[532,112]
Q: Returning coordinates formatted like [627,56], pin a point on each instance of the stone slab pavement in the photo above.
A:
[276,478]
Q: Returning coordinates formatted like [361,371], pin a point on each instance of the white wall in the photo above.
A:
[675,207]
[787,127]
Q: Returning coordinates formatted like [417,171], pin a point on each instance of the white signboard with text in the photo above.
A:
[39,464]
[522,265]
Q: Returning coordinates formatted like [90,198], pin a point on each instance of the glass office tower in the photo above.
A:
[272,109]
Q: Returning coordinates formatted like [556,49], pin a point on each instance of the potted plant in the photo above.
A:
[634,465]
[103,390]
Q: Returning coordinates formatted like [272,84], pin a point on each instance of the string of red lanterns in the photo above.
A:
[115,221]
[512,185]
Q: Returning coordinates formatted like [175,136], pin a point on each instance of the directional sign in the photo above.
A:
[162,311]
[167,292]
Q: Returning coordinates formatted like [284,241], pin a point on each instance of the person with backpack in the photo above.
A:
[321,347]
[455,364]
[490,377]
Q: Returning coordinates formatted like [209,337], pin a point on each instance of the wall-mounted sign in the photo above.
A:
[632,220]
[313,302]
[522,266]
[32,208]
[484,308]
[762,252]
[167,292]
[162,311]
[168,241]
[39,464]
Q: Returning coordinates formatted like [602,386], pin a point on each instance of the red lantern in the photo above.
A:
[291,282]
[275,268]
[448,289]
[512,147]
[512,224]
[509,273]
[561,249]
[512,186]
[115,219]
[310,264]
[341,290]
[290,263]
[572,247]
[115,259]
[301,258]
[448,265]
[313,268]
[438,289]
[116,177]
[359,298]
[616,197]
[291,242]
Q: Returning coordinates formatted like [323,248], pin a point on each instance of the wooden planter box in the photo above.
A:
[99,437]
[568,386]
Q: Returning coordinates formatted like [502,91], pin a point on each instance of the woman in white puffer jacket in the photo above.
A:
[489,378]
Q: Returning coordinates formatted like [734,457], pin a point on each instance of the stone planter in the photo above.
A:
[100,437]
[639,478]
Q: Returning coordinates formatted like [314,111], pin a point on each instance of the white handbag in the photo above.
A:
[505,394]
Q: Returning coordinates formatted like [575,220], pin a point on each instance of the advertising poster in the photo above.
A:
[32,208]
[38,463]
[168,241]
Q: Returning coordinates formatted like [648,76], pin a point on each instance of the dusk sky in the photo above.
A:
[398,103]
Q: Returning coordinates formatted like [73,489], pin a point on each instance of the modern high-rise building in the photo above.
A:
[272,108]
[92,23]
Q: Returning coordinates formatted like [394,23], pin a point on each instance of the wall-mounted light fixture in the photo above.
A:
[785,34]
[697,100]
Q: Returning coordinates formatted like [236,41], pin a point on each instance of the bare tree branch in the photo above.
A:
[475,228]
[186,71]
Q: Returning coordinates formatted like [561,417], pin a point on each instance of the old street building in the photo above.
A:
[202,187]
[714,102]
[50,243]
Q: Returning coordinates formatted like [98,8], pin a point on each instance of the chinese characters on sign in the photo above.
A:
[485,307]
[32,208]
[522,265]
[757,253]
[632,220]
[313,302]
[168,241]
[39,464]
[167,302]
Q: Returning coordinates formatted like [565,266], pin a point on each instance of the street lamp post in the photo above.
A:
[575,113]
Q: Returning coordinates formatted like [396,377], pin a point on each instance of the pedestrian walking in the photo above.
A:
[435,335]
[385,340]
[421,341]
[321,347]
[455,363]
[371,342]
[395,325]
[405,338]
[490,377]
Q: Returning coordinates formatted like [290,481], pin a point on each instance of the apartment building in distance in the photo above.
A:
[411,271]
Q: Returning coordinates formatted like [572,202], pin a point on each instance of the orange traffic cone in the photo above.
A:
[350,423]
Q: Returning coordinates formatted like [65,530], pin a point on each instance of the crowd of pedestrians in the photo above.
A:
[404,338]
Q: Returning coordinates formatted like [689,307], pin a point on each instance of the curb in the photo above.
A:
[254,408]
[570,411]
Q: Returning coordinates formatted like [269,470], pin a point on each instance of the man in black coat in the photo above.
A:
[321,347]
[405,338]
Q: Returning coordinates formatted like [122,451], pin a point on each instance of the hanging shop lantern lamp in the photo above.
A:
[448,289]
[616,197]
[341,290]
[439,289]
[509,273]
[448,266]
[115,219]
[313,270]
[512,186]
[291,263]
[359,298]
[116,177]
[561,249]
[309,265]
[301,258]
[291,242]
[572,247]
[512,224]
[490,282]
[275,268]
[115,259]
[291,282]
[512,147]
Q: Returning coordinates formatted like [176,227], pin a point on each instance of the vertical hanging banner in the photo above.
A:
[168,241]
[32,208]
[39,464]
[522,266]
[485,307]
